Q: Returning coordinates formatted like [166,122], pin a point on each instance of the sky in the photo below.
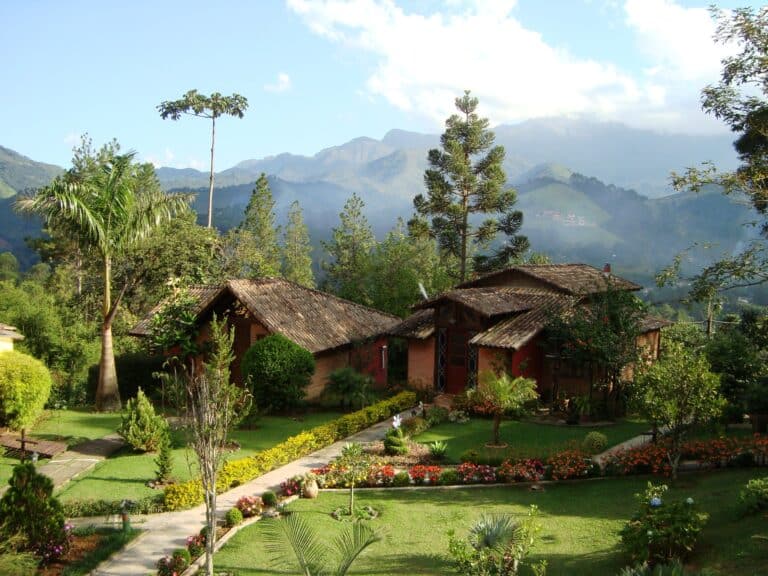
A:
[318,73]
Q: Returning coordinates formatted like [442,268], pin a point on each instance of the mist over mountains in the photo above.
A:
[591,192]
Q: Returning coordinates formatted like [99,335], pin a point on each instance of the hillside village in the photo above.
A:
[501,350]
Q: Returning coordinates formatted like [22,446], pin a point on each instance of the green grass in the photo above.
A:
[525,439]
[580,524]
[112,541]
[75,426]
[125,474]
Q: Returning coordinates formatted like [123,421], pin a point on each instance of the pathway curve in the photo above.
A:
[168,531]
[626,445]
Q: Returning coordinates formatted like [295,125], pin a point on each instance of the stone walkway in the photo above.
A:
[631,443]
[168,531]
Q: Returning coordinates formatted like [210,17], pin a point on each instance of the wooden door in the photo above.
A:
[456,361]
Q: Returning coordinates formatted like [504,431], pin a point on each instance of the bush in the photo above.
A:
[395,442]
[279,371]
[425,475]
[25,385]
[164,460]
[401,479]
[449,477]
[233,517]
[438,449]
[175,564]
[436,415]
[141,427]
[595,442]
[269,499]
[29,509]
[569,464]
[674,569]
[249,506]
[83,508]
[754,496]
[415,425]
[348,387]
[135,370]
[660,531]
[196,545]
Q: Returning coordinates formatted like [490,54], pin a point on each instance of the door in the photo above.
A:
[456,361]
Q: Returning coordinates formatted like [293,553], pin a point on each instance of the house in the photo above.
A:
[337,332]
[8,335]
[499,320]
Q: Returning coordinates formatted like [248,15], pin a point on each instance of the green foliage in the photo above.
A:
[297,249]
[753,498]
[260,234]
[437,415]
[350,251]
[233,517]
[395,442]
[175,564]
[164,460]
[348,387]
[141,427]
[756,397]
[595,442]
[136,369]
[673,569]
[438,449]
[401,479]
[466,178]
[661,531]
[279,371]
[292,540]
[173,328]
[87,508]
[16,563]
[677,391]
[496,546]
[269,498]
[28,508]
[25,384]
[499,394]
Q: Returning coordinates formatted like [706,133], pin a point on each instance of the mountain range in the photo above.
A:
[559,167]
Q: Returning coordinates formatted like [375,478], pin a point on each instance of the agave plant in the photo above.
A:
[492,531]
[292,540]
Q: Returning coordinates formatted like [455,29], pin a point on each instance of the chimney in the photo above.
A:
[607,269]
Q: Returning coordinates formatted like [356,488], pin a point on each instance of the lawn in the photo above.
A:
[525,439]
[125,474]
[580,523]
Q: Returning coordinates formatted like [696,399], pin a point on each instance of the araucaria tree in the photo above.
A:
[466,178]
[211,107]
[678,391]
[297,250]
[107,205]
[739,99]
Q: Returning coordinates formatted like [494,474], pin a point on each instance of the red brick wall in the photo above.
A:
[421,363]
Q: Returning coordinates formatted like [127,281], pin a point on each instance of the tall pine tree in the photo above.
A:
[350,250]
[297,250]
[465,178]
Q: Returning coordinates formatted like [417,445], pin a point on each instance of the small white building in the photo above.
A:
[8,334]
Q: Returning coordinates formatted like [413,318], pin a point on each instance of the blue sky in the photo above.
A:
[319,73]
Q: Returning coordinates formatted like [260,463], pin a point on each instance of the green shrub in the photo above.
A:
[436,415]
[348,387]
[594,442]
[754,496]
[141,427]
[395,442]
[233,517]
[449,477]
[279,371]
[674,569]
[135,370]
[25,385]
[175,564]
[401,479]
[470,455]
[83,508]
[164,460]
[660,532]
[269,499]
[29,509]
[438,449]
[415,425]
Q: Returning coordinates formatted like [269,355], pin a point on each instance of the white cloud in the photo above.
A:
[72,138]
[168,159]
[282,84]
[424,61]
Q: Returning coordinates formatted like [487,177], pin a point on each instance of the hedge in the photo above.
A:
[25,384]
[235,472]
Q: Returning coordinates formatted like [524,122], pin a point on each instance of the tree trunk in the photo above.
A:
[496,426]
[210,541]
[210,179]
[352,498]
[107,392]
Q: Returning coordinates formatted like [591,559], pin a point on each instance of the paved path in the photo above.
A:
[168,531]
[631,443]
[78,459]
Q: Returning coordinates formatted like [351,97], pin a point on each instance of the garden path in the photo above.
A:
[78,459]
[164,533]
[627,444]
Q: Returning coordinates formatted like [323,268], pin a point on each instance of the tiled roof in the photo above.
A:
[519,329]
[419,325]
[493,301]
[203,294]
[576,279]
[315,320]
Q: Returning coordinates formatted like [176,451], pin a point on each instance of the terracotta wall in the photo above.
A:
[421,363]
[371,359]
[325,363]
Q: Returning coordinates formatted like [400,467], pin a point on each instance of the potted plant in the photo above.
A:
[309,487]
[757,405]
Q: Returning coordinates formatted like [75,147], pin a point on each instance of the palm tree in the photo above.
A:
[293,538]
[500,393]
[108,208]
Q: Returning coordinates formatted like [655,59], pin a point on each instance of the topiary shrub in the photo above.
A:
[164,460]
[233,517]
[29,509]
[395,442]
[279,371]
[753,498]
[25,384]
[269,499]
[141,427]
[594,442]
